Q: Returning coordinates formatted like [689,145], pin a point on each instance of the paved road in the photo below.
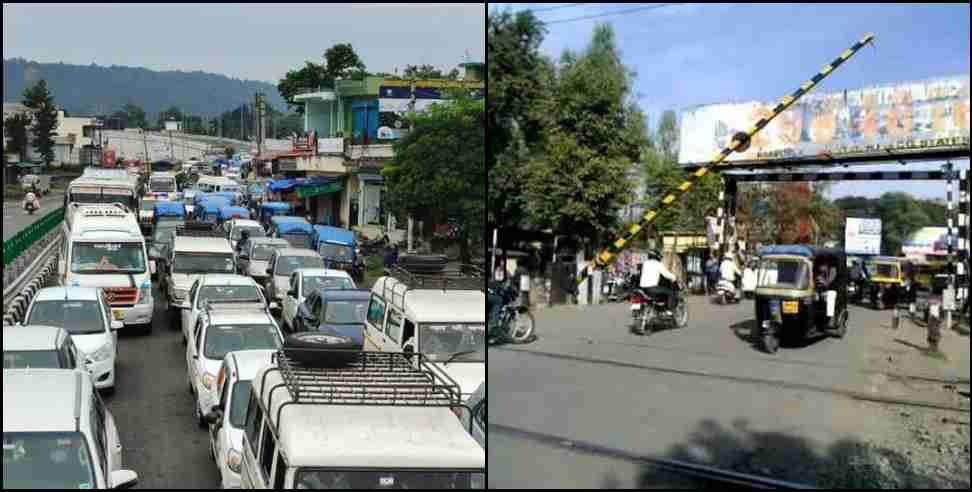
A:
[651,396]
[16,218]
[153,411]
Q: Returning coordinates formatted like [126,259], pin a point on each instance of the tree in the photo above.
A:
[594,135]
[39,99]
[135,116]
[520,79]
[439,171]
[340,60]
[16,127]
[422,72]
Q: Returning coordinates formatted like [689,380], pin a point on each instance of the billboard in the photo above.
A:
[904,117]
[862,236]
[927,241]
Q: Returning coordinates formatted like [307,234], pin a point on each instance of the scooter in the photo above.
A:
[646,309]
[726,292]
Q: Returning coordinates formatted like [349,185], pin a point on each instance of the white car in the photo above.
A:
[254,258]
[219,330]
[283,262]
[226,418]
[217,287]
[85,314]
[477,426]
[39,346]
[234,229]
[306,280]
[59,434]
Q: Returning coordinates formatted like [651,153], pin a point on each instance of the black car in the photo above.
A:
[334,312]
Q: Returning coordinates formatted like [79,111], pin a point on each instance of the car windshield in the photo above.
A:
[262,252]
[440,341]
[287,264]
[47,460]
[223,339]
[888,270]
[314,283]
[335,252]
[784,273]
[297,240]
[203,263]
[229,293]
[387,480]
[163,185]
[345,312]
[40,359]
[108,258]
[240,402]
[77,317]
[255,231]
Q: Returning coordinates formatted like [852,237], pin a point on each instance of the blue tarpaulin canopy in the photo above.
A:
[289,184]
[275,206]
[333,235]
[168,209]
[292,225]
[233,212]
[281,184]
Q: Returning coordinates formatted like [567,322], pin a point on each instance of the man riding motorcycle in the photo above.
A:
[31,202]
[658,280]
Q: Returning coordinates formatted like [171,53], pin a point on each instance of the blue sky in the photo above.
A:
[693,54]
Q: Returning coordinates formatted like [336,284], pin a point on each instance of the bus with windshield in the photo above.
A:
[101,186]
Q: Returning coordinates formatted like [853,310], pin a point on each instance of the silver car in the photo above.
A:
[255,257]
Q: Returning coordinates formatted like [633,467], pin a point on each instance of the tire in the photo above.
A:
[515,335]
[423,263]
[771,342]
[646,320]
[147,328]
[307,348]
[841,330]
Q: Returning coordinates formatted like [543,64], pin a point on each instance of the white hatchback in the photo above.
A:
[84,313]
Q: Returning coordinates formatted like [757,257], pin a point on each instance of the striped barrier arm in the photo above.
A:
[963,236]
[740,140]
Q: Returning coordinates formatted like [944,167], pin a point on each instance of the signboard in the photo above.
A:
[862,236]
[903,117]
[309,191]
[927,241]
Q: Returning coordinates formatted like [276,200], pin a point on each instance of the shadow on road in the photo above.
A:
[747,332]
[847,463]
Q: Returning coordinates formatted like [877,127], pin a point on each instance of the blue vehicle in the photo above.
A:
[335,245]
[232,196]
[168,210]
[227,213]
[208,211]
[273,209]
[334,312]
[296,230]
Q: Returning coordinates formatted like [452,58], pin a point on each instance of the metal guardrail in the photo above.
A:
[23,240]
[30,261]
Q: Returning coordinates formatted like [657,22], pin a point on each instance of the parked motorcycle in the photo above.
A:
[648,308]
[726,292]
[515,323]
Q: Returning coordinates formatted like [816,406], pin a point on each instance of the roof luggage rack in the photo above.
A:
[372,379]
[465,277]
[198,229]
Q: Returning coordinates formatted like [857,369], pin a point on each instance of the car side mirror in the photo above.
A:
[116,325]
[292,293]
[123,479]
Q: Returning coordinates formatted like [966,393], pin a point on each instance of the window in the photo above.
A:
[376,312]
[108,257]
[394,325]
[223,339]
[77,317]
[409,332]
[267,447]
[279,472]
[253,417]
[293,283]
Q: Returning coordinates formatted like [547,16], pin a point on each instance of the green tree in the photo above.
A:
[520,79]
[16,127]
[595,134]
[135,116]
[439,170]
[428,72]
[171,113]
[38,98]
[340,60]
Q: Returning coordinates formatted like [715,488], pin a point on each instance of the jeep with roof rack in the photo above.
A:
[357,425]
[441,315]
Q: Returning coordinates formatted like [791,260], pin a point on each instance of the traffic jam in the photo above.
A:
[306,368]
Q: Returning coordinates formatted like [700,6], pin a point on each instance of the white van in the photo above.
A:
[106,249]
[32,181]
[95,188]
[347,427]
[441,316]
[214,184]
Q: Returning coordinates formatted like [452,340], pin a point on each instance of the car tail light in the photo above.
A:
[635,299]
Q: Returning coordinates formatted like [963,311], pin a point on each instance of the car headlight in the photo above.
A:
[103,353]
[233,460]
[208,380]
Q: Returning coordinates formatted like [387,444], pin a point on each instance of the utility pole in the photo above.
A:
[259,116]
[145,143]
[242,128]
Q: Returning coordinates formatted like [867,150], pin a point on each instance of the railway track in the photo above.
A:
[855,395]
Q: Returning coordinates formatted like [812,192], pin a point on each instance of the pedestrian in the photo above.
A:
[391,256]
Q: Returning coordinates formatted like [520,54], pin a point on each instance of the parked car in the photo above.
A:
[306,280]
[85,314]
[220,329]
[334,312]
[39,346]
[227,417]
[59,434]
[283,262]
[254,257]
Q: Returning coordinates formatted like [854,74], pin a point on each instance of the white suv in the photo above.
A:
[85,314]
[59,434]
[221,288]
[41,347]
[226,418]
[220,329]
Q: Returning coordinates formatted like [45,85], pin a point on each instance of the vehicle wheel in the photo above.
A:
[646,320]
[521,327]
[841,330]
[147,328]
[771,342]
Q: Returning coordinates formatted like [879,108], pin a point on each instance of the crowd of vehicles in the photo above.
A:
[246,293]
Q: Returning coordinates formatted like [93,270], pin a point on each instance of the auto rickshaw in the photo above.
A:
[801,292]
[926,271]
[887,281]
[167,210]
[272,209]
[338,247]
[296,230]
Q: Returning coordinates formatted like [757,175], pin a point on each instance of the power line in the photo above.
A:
[556,8]
[616,12]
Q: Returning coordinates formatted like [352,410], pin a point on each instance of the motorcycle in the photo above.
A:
[726,292]
[515,324]
[31,207]
[647,308]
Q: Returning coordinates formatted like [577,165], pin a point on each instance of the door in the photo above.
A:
[374,323]
[372,199]
[192,354]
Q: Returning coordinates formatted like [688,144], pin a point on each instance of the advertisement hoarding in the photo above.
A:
[904,117]
[862,236]
[927,241]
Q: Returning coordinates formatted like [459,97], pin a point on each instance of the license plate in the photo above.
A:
[118,314]
[791,307]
